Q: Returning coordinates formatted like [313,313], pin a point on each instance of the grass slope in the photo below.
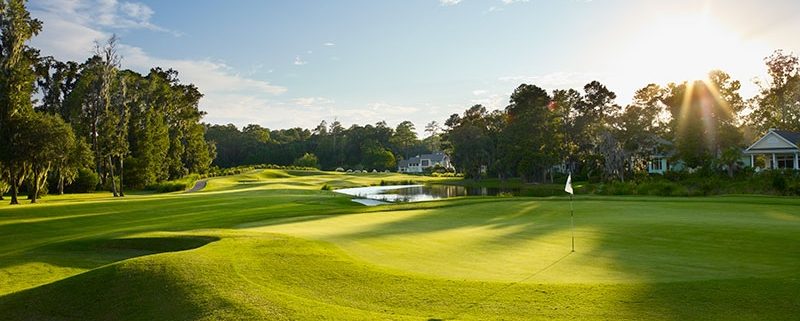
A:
[270,246]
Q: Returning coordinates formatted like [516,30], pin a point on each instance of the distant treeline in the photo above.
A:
[328,146]
[90,122]
[704,124]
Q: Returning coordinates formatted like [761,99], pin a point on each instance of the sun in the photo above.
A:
[683,47]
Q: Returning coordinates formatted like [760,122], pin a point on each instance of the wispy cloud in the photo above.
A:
[299,61]
[449,2]
[329,44]
[513,1]
[312,101]
[70,31]
[111,14]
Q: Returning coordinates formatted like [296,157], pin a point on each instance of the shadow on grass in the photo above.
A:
[104,251]
[114,292]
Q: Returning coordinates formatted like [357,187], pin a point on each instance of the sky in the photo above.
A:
[283,64]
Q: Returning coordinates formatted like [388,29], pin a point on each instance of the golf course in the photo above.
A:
[272,245]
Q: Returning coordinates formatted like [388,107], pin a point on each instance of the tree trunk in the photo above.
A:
[111,171]
[34,194]
[60,184]
[96,147]
[121,172]
[14,188]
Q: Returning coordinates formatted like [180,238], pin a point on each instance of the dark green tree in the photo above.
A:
[17,76]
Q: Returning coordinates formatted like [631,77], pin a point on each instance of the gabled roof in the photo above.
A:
[792,137]
[437,157]
[775,140]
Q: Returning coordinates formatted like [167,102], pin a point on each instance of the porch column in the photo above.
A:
[795,162]
[774,162]
[752,161]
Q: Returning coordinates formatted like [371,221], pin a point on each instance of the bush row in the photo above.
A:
[774,182]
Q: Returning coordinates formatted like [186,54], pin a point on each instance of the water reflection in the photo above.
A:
[419,193]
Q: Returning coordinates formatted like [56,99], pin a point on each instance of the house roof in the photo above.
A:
[792,137]
[437,157]
[764,144]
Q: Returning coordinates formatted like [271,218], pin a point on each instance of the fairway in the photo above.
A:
[270,245]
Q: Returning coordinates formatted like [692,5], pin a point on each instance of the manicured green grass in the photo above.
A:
[269,245]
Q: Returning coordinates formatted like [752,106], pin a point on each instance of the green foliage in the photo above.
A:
[773,182]
[376,157]
[398,182]
[174,185]
[4,187]
[773,107]
[86,181]
[308,160]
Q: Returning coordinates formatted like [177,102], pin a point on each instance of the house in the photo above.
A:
[419,163]
[662,157]
[779,148]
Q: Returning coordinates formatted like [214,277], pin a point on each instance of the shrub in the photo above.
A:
[86,182]
[307,160]
[167,187]
[779,181]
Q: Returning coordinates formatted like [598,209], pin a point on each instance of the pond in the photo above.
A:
[376,195]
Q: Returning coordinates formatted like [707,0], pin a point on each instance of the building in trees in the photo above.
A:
[420,163]
[779,149]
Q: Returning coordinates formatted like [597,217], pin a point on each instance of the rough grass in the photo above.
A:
[270,246]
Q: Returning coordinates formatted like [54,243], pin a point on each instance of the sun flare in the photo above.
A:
[685,47]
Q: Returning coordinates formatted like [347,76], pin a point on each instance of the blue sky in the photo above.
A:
[284,64]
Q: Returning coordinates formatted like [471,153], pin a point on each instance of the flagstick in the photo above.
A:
[572,222]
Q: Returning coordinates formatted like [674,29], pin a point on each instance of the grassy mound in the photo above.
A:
[249,276]
[279,248]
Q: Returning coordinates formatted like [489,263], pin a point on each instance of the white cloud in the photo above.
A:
[64,38]
[110,14]
[479,92]
[209,76]
[513,1]
[70,31]
[491,101]
[312,101]
[137,11]
[449,2]
[329,44]
[299,61]
[493,9]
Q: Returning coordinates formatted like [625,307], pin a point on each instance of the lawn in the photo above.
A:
[270,245]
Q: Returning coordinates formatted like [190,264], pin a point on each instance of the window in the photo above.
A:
[426,163]
[656,165]
[785,161]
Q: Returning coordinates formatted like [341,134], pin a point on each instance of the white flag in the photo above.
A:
[568,188]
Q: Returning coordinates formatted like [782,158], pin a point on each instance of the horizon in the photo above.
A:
[361,63]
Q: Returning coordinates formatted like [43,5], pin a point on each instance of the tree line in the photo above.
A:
[62,121]
[327,146]
[702,123]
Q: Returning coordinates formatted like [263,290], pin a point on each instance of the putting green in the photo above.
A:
[269,245]
[625,240]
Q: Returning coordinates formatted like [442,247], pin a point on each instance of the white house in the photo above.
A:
[779,148]
[419,163]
